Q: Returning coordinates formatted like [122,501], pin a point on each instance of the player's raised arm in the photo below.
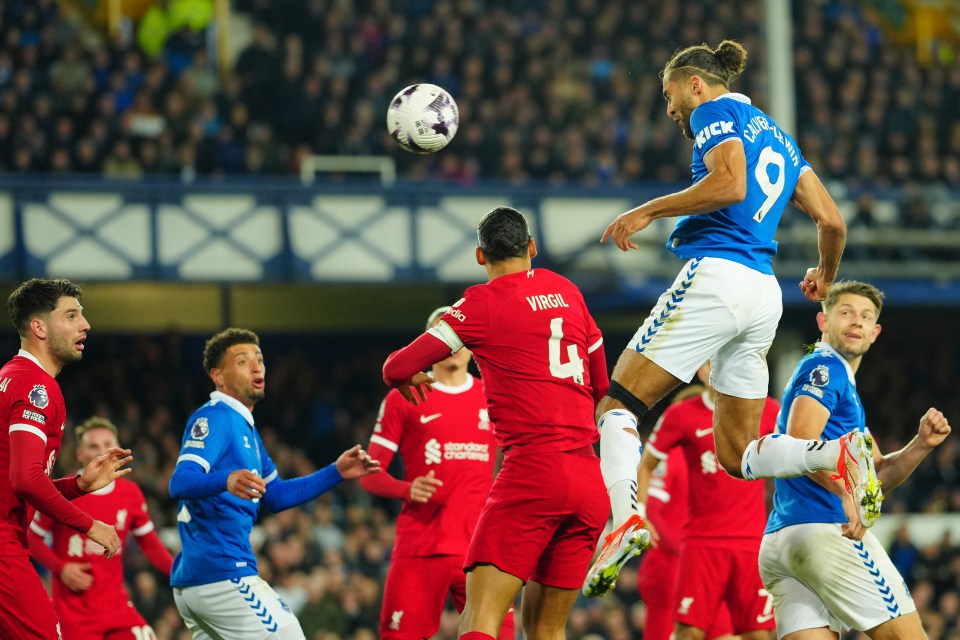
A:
[894,468]
[811,197]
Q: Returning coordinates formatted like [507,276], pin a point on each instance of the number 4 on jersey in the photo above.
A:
[571,369]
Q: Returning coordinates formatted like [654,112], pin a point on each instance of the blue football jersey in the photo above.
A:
[742,232]
[215,530]
[825,376]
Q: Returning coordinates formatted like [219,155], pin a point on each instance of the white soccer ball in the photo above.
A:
[423,118]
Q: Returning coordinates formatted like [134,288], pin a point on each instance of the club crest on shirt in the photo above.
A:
[484,423]
[200,429]
[820,377]
[38,396]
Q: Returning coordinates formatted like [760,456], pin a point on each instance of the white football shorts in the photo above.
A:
[818,578]
[236,609]
[716,310]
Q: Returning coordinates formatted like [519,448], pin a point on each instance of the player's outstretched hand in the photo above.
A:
[813,286]
[416,389]
[246,484]
[104,469]
[77,576]
[934,428]
[854,528]
[356,463]
[423,487]
[625,226]
[106,536]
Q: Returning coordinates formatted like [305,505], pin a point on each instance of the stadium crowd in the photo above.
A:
[565,92]
[329,559]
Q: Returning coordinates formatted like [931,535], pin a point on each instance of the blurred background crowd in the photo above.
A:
[560,91]
[557,90]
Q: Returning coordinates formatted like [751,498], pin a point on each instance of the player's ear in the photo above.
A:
[696,85]
[822,321]
[217,377]
[876,332]
[532,248]
[481,259]
[38,327]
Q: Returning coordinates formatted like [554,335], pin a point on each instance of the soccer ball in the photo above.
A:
[423,118]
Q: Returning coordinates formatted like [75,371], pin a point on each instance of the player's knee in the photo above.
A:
[620,396]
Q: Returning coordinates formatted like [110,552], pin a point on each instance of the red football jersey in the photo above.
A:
[714,494]
[31,401]
[121,504]
[667,501]
[532,336]
[451,435]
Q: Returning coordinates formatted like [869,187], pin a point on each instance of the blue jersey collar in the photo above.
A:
[826,348]
[739,97]
[233,403]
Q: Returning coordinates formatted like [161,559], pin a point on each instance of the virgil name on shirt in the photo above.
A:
[742,232]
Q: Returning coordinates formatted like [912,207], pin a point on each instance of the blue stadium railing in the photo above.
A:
[278,230]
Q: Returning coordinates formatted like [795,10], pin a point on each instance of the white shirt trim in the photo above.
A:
[273,476]
[826,348]
[739,97]
[23,353]
[190,457]
[37,529]
[659,494]
[595,346]
[143,529]
[29,428]
[383,442]
[707,398]
[659,455]
[455,389]
[444,332]
[102,491]
[233,403]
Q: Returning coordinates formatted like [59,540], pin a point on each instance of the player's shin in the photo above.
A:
[620,452]
[783,456]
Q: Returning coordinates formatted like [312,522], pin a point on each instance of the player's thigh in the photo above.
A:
[26,611]
[703,576]
[585,508]
[239,609]
[796,606]
[415,593]
[905,627]
[749,603]
[532,499]
[862,587]
[544,610]
[691,321]
[740,365]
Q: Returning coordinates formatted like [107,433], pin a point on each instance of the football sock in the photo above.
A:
[783,456]
[620,453]
[476,635]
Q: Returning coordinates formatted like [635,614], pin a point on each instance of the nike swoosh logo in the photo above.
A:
[703,432]
[426,419]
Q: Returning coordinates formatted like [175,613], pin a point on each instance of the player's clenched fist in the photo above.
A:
[423,487]
[934,428]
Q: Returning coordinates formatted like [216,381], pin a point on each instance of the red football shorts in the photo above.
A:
[26,611]
[712,576]
[657,585]
[415,593]
[543,518]
[123,623]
